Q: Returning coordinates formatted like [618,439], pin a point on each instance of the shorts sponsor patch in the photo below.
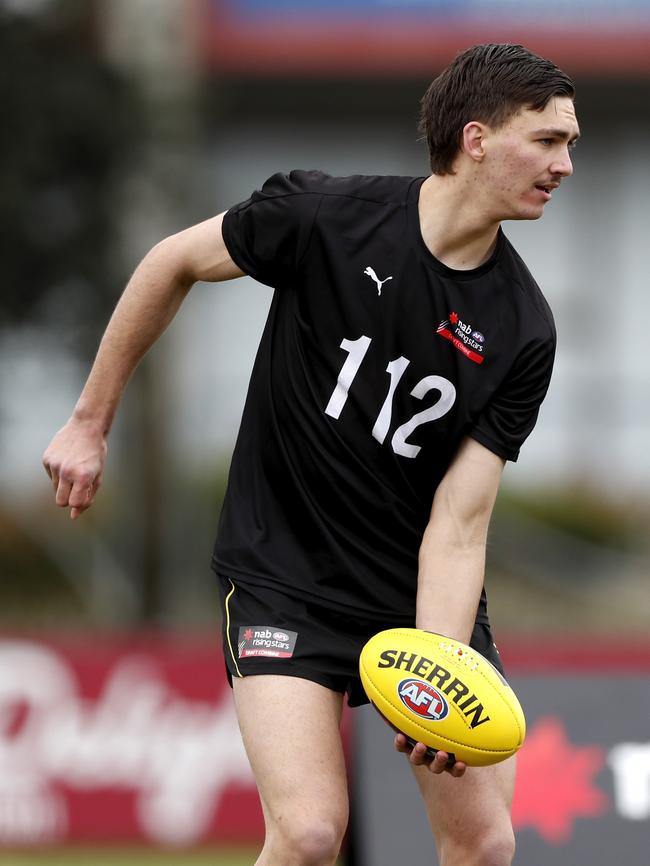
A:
[267,641]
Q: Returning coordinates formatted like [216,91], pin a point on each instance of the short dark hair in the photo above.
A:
[489,83]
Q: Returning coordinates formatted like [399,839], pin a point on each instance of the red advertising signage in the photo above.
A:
[120,741]
[136,741]
[392,37]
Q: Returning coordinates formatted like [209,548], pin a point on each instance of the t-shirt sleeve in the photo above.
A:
[510,416]
[268,234]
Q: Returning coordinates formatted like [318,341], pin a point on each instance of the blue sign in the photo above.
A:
[585,12]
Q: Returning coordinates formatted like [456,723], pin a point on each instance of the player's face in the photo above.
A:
[527,158]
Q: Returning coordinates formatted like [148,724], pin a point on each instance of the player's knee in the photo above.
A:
[497,849]
[313,843]
[494,848]
[319,843]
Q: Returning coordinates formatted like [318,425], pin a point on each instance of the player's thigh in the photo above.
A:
[291,731]
[472,810]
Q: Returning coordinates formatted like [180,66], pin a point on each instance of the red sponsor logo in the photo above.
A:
[265,642]
[546,801]
[129,741]
[463,337]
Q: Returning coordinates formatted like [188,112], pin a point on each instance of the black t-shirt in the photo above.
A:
[376,360]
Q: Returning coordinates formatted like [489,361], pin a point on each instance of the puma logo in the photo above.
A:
[373,276]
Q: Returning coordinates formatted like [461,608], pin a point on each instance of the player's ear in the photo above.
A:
[473,139]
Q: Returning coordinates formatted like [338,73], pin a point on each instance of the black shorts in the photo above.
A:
[268,632]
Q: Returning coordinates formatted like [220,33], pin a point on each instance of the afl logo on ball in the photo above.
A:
[422,699]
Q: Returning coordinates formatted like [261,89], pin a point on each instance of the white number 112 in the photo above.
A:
[357,350]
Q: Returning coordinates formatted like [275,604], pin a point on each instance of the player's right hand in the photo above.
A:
[418,757]
[75,460]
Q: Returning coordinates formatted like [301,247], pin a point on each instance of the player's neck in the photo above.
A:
[453,225]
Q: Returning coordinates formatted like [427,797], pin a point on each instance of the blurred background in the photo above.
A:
[124,121]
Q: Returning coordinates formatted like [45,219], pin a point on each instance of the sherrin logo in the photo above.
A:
[447,686]
[422,699]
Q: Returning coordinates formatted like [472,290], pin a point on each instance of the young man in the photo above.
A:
[405,357]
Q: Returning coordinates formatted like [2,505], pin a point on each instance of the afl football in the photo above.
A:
[442,693]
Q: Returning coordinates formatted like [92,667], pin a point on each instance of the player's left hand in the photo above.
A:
[418,756]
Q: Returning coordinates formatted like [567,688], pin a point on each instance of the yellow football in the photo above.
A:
[442,693]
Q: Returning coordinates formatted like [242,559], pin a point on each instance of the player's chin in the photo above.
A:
[533,206]
[526,205]
[528,212]
[522,208]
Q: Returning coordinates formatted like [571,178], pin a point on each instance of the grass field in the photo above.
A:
[131,857]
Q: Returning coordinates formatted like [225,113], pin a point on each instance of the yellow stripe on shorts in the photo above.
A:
[232,655]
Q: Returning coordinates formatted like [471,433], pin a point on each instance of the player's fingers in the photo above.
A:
[419,755]
[402,744]
[457,770]
[52,471]
[82,496]
[77,510]
[440,763]
[63,488]
[52,466]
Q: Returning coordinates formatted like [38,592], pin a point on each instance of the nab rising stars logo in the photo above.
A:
[463,337]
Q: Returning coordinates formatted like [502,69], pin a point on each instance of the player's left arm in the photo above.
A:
[452,553]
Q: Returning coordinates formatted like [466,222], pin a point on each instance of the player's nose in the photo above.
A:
[562,165]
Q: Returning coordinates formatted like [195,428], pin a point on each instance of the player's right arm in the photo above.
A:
[75,458]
